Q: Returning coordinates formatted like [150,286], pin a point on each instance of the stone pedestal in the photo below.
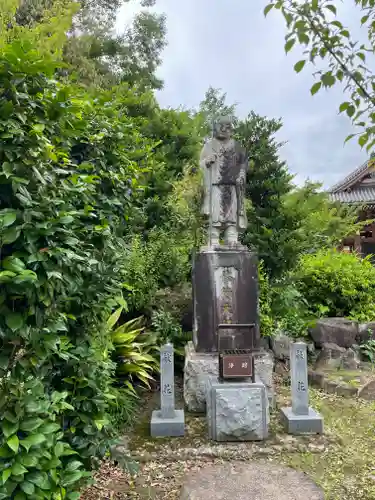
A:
[199,366]
[171,426]
[236,411]
[310,423]
[225,290]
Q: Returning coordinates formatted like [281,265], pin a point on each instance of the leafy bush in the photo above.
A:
[337,284]
[69,169]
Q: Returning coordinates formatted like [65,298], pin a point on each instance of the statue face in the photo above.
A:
[223,129]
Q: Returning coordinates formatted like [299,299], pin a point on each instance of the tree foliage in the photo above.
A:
[330,47]
[95,54]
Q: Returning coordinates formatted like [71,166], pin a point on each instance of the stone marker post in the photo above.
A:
[299,382]
[300,418]
[167,381]
[167,421]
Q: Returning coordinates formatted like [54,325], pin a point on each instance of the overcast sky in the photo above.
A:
[228,44]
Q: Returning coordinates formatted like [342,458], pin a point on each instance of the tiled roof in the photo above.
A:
[360,195]
[350,179]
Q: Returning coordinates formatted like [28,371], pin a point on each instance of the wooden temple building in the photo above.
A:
[358,188]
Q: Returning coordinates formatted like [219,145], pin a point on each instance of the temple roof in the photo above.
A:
[357,187]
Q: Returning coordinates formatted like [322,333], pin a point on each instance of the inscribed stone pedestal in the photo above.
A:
[300,418]
[225,290]
[236,411]
[167,421]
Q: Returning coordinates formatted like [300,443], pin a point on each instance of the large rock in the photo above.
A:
[246,481]
[367,392]
[281,346]
[366,331]
[351,360]
[331,356]
[199,366]
[339,331]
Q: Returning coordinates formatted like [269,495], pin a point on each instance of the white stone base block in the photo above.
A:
[312,423]
[236,411]
[167,427]
[199,366]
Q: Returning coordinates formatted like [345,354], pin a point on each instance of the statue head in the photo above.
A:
[223,128]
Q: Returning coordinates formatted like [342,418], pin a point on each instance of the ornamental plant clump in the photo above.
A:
[68,179]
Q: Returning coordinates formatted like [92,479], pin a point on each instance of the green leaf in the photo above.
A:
[13,264]
[33,440]
[27,487]
[9,428]
[13,443]
[344,106]
[289,44]
[365,19]
[38,478]
[29,460]
[59,449]
[14,321]
[67,219]
[268,7]
[315,88]
[299,66]
[332,8]
[9,415]
[350,110]
[18,469]
[71,477]
[349,137]
[112,320]
[74,465]
[49,428]
[328,79]
[363,139]
[7,169]
[7,217]
[6,474]
[10,236]
[31,424]
[20,496]
[5,452]
[314,5]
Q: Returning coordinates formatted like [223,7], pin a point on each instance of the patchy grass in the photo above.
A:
[341,461]
[346,469]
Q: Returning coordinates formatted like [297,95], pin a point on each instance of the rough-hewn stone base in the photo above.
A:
[302,424]
[198,366]
[236,411]
[167,427]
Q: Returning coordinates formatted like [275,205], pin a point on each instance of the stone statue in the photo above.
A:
[224,164]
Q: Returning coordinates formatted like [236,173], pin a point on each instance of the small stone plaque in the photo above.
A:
[237,365]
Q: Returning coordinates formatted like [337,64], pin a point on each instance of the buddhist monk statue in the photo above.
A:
[224,165]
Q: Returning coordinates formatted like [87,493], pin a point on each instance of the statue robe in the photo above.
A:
[223,199]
